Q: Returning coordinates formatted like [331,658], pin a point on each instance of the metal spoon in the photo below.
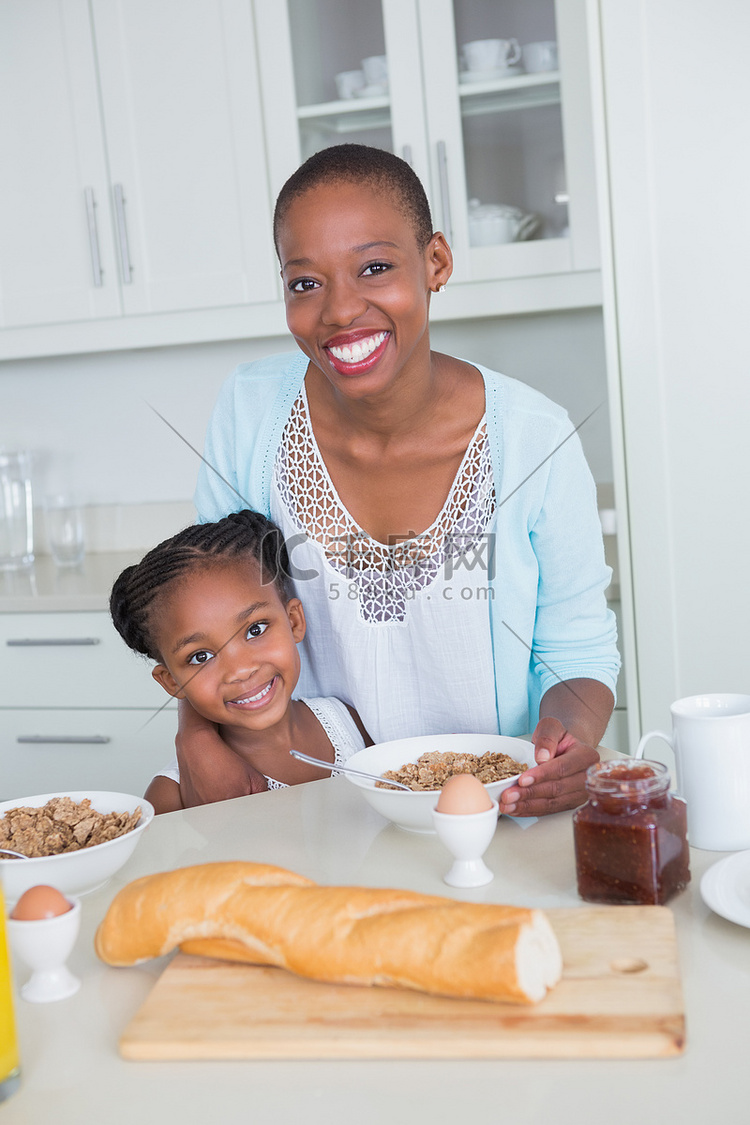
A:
[348,769]
[17,855]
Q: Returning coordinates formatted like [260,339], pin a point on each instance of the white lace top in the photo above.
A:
[401,632]
[335,719]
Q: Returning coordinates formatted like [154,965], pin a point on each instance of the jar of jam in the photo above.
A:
[631,836]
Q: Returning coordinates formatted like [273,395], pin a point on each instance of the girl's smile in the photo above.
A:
[229,646]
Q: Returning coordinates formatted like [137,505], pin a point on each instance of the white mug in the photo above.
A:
[490,54]
[348,82]
[539,57]
[711,742]
[375,70]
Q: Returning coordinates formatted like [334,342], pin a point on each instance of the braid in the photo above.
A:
[244,533]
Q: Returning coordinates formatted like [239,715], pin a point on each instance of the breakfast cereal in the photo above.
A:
[62,825]
[432,770]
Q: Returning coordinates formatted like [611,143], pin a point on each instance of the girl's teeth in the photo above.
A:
[255,698]
[359,350]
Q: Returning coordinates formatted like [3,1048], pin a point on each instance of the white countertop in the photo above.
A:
[72,1072]
[44,587]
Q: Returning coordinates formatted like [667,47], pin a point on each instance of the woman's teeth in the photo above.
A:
[356,352]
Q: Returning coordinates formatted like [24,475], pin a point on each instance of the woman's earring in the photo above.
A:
[440,288]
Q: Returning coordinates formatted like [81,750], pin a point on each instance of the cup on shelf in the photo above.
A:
[376,70]
[16,510]
[348,82]
[490,54]
[63,520]
[539,57]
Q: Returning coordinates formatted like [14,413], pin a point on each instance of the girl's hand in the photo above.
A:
[556,782]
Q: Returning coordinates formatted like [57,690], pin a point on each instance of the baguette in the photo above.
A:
[347,935]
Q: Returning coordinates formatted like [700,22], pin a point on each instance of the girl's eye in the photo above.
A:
[257,629]
[201,657]
[303,285]
[375,268]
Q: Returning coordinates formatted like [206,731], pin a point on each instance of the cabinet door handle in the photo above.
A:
[445,193]
[87,739]
[96,262]
[33,642]
[406,154]
[122,236]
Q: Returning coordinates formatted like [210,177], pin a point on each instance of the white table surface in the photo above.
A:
[72,1072]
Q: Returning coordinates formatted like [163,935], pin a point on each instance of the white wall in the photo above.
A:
[89,420]
[677,154]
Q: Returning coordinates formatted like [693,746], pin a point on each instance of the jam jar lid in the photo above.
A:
[627,778]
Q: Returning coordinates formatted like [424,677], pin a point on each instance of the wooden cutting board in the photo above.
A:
[620,997]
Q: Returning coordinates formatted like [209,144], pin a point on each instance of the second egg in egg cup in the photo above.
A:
[467,837]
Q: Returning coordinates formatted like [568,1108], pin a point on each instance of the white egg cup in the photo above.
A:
[44,945]
[467,837]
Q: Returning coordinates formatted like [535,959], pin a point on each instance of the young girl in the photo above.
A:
[442,513]
[213,607]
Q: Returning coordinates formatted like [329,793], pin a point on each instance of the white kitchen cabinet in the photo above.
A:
[78,709]
[52,750]
[523,140]
[133,164]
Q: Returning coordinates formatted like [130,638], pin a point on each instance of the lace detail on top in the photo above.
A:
[343,733]
[386,576]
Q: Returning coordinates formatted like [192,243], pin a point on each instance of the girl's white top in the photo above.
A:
[402,629]
[335,719]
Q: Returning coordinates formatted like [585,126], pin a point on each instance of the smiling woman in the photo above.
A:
[440,517]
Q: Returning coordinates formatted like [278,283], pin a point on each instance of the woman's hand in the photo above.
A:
[573,717]
[556,782]
[209,770]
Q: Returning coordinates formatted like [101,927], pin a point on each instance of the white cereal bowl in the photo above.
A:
[75,873]
[413,811]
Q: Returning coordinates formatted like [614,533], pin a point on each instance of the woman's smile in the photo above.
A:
[359,354]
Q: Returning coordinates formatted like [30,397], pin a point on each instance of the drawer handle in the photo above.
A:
[32,642]
[88,739]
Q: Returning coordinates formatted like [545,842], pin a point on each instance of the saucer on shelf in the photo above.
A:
[491,75]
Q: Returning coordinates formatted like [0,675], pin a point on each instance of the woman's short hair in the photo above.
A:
[360,164]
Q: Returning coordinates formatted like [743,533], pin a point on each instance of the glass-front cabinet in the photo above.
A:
[487,100]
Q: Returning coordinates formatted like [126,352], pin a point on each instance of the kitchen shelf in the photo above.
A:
[348,116]
[494,96]
[523,91]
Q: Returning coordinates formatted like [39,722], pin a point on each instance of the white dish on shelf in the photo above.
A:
[493,75]
[725,888]
[375,91]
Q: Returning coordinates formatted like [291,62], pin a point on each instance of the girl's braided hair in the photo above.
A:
[244,533]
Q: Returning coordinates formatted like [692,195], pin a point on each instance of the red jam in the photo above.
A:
[631,836]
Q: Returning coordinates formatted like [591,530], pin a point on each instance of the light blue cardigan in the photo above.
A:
[549,617]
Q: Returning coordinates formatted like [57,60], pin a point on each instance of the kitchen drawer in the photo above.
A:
[71,660]
[44,751]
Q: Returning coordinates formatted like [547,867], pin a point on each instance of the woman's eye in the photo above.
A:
[375,268]
[303,285]
[201,657]
[257,629]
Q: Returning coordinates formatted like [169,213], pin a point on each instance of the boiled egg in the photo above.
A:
[462,794]
[40,902]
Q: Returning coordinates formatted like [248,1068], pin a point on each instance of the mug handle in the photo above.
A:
[515,55]
[647,738]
